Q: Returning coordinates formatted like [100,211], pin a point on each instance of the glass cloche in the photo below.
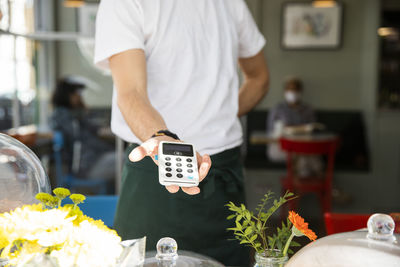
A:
[167,256]
[375,246]
[21,175]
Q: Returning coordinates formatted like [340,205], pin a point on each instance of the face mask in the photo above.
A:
[292,97]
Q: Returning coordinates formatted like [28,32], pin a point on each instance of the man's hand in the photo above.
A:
[150,148]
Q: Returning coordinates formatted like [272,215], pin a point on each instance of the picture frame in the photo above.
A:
[306,25]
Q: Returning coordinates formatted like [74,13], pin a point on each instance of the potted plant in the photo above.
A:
[250,230]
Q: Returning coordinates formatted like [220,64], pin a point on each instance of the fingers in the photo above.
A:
[204,166]
[191,190]
[188,190]
[172,188]
[148,148]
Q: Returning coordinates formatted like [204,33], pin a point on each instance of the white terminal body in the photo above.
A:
[177,164]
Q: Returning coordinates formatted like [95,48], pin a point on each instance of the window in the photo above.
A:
[17,73]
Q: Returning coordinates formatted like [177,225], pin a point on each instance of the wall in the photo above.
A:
[71,62]
[332,78]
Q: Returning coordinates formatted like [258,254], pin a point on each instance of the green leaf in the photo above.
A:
[259,226]
[230,217]
[295,244]
[244,242]
[248,215]
[238,225]
[248,231]
[239,217]
[253,238]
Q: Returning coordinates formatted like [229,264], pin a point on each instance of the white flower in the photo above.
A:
[76,241]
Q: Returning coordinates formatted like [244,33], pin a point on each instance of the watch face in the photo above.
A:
[178,149]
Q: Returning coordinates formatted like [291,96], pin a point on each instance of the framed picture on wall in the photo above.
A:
[310,25]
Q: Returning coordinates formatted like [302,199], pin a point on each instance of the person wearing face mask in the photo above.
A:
[292,113]
[293,116]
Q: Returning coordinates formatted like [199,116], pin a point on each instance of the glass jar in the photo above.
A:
[270,258]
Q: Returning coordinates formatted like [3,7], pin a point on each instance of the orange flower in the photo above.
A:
[299,223]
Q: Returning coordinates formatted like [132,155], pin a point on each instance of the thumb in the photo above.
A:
[148,148]
[137,154]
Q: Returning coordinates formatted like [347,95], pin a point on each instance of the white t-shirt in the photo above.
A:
[192,49]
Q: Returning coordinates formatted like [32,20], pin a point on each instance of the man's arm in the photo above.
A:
[256,81]
[130,78]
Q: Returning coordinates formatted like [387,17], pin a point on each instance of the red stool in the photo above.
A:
[321,186]
[339,223]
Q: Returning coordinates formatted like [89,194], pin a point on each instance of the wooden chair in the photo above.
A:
[321,186]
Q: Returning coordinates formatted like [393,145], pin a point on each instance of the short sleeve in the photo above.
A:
[251,41]
[119,27]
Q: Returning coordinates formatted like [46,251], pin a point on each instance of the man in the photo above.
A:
[174,66]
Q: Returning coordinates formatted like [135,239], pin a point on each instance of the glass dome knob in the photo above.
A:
[167,249]
[381,227]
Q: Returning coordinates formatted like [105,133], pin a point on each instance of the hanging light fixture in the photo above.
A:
[74,3]
[324,3]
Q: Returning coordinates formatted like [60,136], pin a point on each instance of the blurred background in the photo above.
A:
[346,55]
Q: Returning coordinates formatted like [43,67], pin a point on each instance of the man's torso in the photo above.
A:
[191,51]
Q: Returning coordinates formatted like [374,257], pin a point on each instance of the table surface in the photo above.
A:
[262,138]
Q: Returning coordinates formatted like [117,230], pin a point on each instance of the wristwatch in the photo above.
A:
[165,133]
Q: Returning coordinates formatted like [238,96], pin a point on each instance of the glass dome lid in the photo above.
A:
[21,175]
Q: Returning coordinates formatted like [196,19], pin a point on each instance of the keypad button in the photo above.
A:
[190,171]
[167,163]
[189,160]
[168,174]
[168,169]
[179,175]
[179,170]
[179,164]
[178,159]
[167,158]
[190,165]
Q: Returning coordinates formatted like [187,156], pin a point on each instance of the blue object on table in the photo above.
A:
[69,180]
[100,208]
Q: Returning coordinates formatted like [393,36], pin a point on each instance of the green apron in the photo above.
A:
[198,223]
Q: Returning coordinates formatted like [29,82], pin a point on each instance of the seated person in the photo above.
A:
[293,116]
[88,156]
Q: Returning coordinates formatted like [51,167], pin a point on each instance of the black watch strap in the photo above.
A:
[165,133]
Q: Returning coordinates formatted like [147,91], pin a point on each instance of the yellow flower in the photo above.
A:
[44,197]
[47,199]
[61,193]
[77,198]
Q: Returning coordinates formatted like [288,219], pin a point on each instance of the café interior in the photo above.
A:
[348,73]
